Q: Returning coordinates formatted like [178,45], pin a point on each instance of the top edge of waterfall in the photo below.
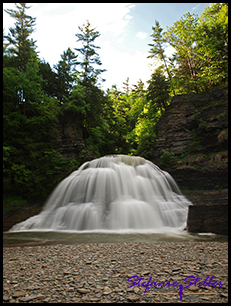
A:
[128,159]
[115,158]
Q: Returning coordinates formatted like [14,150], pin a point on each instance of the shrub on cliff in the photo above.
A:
[167,158]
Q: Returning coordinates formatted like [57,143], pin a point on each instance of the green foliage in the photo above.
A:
[12,202]
[20,174]
[76,106]
[158,91]
[145,134]
[49,79]
[200,62]
[54,165]
[181,36]
[167,158]
[126,86]
[157,50]
[212,37]
[65,75]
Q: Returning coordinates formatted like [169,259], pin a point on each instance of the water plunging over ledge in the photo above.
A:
[113,193]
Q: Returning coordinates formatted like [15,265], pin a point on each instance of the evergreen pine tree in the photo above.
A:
[89,55]
[158,47]
[158,91]
[49,82]
[65,69]
[18,43]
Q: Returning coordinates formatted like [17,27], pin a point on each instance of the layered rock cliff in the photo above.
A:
[69,141]
[193,135]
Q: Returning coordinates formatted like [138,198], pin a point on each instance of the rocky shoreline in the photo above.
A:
[99,272]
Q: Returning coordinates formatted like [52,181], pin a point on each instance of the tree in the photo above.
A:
[89,55]
[182,36]
[212,41]
[76,107]
[158,91]
[19,44]
[29,128]
[158,47]
[126,86]
[49,79]
[138,95]
[139,88]
[201,43]
[65,78]
[94,96]
[21,54]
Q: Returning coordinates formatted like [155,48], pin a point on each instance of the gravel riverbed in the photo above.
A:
[99,272]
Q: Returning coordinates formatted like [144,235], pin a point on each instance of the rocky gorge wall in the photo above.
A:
[69,141]
[192,145]
[194,132]
[208,219]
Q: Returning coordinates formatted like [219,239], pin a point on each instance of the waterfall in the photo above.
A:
[115,192]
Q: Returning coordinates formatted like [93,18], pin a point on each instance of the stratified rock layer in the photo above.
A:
[197,126]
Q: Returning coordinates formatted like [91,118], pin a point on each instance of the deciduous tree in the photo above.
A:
[182,36]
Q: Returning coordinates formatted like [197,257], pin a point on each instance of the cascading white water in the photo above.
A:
[116,192]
